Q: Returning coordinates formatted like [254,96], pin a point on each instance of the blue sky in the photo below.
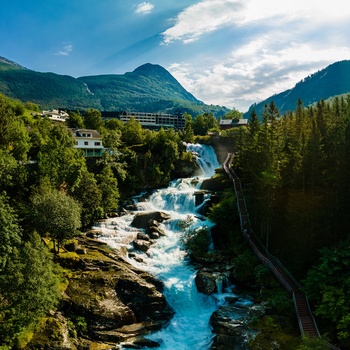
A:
[225,52]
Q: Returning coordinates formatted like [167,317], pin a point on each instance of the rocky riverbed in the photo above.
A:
[108,302]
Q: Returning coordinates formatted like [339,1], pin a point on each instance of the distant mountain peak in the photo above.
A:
[155,70]
[149,68]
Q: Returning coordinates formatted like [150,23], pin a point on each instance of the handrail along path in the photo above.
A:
[306,320]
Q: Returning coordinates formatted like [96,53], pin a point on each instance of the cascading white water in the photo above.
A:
[167,260]
[206,158]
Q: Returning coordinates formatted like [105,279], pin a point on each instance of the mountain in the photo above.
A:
[149,88]
[145,87]
[49,90]
[331,81]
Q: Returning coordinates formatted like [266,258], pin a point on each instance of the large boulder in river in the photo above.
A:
[229,324]
[141,220]
[154,232]
[141,244]
[205,282]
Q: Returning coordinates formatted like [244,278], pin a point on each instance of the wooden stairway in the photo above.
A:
[307,323]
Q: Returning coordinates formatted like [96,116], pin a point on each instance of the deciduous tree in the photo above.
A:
[56,214]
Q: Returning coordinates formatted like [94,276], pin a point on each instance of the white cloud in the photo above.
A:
[144,8]
[284,41]
[65,51]
[255,72]
[203,17]
[210,15]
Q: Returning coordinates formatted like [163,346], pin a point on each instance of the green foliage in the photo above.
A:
[58,160]
[328,285]
[204,123]
[75,120]
[312,344]
[132,133]
[93,119]
[45,89]
[57,214]
[234,115]
[89,195]
[77,326]
[296,170]
[114,124]
[226,235]
[31,271]
[56,189]
[8,165]
[10,232]
[272,335]
[13,134]
[198,241]
[188,134]
[245,263]
[112,140]
[108,185]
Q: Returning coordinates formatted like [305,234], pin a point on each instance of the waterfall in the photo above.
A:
[206,158]
[167,258]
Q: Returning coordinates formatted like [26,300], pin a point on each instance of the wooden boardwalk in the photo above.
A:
[307,323]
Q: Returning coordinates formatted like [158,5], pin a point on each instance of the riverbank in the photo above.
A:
[107,302]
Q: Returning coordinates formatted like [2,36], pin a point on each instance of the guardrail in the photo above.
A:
[280,272]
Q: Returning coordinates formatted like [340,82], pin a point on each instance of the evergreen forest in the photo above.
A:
[295,170]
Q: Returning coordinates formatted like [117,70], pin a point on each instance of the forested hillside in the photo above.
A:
[149,88]
[329,82]
[295,171]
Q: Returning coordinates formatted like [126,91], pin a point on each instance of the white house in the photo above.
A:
[90,141]
[55,115]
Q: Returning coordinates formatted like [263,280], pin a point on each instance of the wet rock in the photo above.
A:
[142,245]
[140,343]
[153,223]
[135,257]
[229,327]
[257,310]
[155,232]
[141,219]
[115,299]
[143,236]
[146,302]
[205,282]
[93,233]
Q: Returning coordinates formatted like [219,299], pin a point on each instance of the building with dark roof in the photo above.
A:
[232,123]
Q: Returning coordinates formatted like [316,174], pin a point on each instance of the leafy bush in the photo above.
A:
[198,241]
